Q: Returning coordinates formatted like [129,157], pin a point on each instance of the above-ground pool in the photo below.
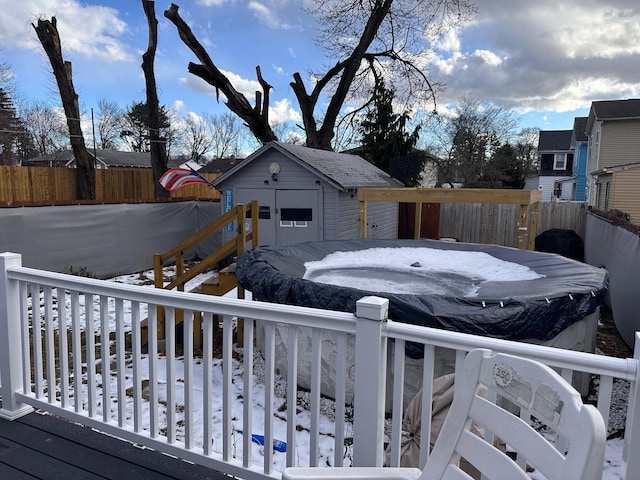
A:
[487,290]
[534,295]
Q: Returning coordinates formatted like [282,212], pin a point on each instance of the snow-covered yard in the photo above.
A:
[613,457]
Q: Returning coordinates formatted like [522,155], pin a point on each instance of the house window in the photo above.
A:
[560,161]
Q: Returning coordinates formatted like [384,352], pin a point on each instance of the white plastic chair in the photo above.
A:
[575,453]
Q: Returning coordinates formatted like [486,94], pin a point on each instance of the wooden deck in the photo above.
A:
[46,447]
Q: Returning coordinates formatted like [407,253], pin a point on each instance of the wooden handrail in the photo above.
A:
[237,214]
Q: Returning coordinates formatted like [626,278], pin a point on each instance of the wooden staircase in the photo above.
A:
[219,282]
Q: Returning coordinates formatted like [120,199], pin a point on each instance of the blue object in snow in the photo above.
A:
[278,445]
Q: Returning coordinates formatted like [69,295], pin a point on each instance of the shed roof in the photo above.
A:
[554,140]
[345,171]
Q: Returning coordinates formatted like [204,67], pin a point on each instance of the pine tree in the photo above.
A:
[15,142]
[384,133]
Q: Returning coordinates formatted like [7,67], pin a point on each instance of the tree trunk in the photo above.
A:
[85,168]
[158,145]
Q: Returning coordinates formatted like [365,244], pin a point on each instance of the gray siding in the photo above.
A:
[383,220]
[331,207]
[349,218]
[256,176]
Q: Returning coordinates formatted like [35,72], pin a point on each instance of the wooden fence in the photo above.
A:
[58,185]
[486,223]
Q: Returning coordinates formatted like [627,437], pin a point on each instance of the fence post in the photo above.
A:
[369,390]
[632,427]
[10,341]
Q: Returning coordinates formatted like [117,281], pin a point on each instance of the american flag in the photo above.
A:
[179,177]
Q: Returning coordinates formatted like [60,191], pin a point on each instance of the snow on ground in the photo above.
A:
[491,268]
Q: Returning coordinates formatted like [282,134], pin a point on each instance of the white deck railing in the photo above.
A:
[56,329]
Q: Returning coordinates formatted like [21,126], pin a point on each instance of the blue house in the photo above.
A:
[580,147]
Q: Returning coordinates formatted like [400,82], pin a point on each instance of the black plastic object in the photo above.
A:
[515,310]
[563,242]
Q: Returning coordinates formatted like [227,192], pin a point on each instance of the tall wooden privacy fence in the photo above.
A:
[491,223]
[50,184]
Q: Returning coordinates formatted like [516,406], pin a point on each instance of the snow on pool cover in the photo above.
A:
[486,290]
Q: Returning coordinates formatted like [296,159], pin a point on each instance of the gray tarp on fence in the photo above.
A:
[103,240]
[618,250]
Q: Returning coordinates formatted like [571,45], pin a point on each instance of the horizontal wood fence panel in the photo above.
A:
[50,184]
[496,224]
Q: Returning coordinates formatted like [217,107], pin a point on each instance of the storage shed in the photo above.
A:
[306,194]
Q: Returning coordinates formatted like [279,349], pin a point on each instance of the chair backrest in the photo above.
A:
[574,451]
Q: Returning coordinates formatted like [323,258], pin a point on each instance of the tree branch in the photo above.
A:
[255,118]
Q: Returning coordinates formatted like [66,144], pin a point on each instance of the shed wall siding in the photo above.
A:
[620,143]
[626,193]
[349,218]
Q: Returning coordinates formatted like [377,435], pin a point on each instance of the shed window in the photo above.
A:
[560,161]
[296,214]
[295,217]
[264,213]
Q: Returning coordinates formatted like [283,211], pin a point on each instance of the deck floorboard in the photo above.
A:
[42,446]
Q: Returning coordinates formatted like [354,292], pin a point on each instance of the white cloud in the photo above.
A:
[281,111]
[546,56]
[89,30]
[247,87]
[268,16]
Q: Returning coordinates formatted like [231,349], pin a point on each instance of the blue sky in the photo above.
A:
[547,60]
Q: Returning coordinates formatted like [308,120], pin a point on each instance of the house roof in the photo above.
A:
[345,171]
[220,165]
[108,158]
[554,140]
[607,110]
[579,129]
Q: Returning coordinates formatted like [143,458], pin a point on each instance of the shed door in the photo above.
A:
[266,214]
[297,216]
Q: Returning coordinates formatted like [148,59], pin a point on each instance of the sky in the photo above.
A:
[546,60]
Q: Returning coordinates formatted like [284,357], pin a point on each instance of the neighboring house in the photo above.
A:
[613,130]
[305,194]
[555,158]
[103,159]
[220,165]
[577,183]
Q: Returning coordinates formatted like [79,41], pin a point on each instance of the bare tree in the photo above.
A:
[46,126]
[470,137]
[226,134]
[85,169]
[369,39]
[110,119]
[196,138]
[158,148]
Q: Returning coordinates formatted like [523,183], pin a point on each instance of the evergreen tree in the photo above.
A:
[384,133]
[15,142]
[136,130]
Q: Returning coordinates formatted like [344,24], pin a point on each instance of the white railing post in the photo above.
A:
[10,342]
[369,390]
[632,427]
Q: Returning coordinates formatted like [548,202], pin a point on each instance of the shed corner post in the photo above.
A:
[369,393]
[11,369]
